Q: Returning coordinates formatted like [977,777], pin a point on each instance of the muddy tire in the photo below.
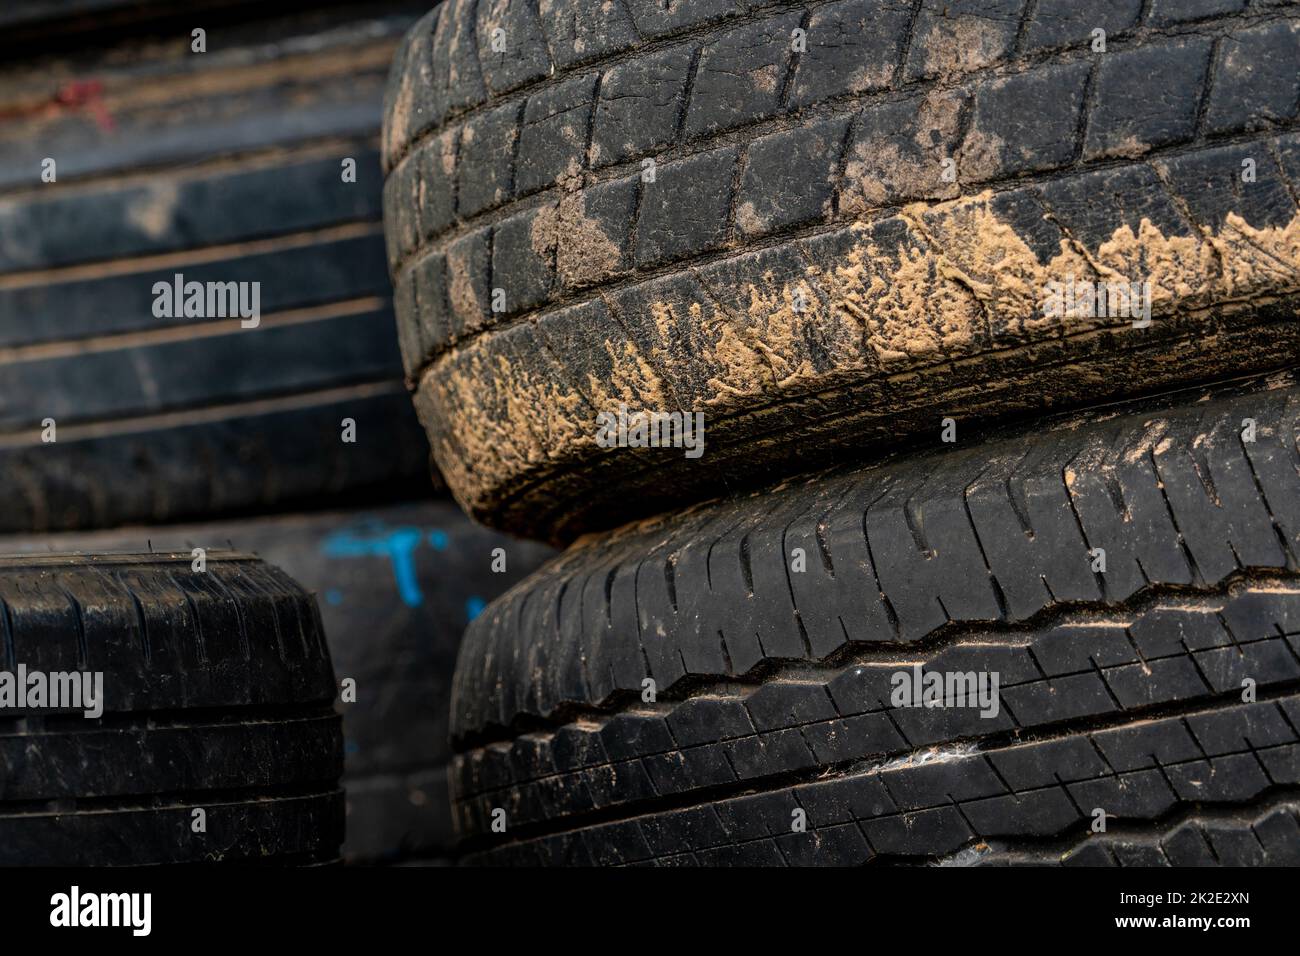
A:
[821,227]
[396,587]
[217,696]
[223,168]
[688,689]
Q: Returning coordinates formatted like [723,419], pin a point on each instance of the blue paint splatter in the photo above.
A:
[372,539]
[438,538]
[334,596]
[474,607]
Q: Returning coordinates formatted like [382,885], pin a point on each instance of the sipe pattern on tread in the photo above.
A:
[934,804]
[1248,836]
[973,560]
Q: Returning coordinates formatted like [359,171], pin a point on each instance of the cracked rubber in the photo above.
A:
[218,695]
[803,268]
[1122,690]
[225,167]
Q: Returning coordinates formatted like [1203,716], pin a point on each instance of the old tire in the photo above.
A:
[224,168]
[217,697]
[679,691]
[396,587]
[805,268]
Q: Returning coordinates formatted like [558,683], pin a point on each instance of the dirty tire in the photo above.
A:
[224,168]
[396,587]
[217,695]
[1121,690]
[805,268]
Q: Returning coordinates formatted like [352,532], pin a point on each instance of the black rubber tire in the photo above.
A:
[799,270]
[1120,690]
[52,19]
[227,167]
[41,28]
[44,13]
[217,695]
[398,643]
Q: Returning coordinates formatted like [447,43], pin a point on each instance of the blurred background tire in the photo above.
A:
[255,161]
[396,586]
[217,740]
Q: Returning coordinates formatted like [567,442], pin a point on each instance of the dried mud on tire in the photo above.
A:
[839,245]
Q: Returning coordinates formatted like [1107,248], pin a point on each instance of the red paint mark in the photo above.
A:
[73,96]
[87,94]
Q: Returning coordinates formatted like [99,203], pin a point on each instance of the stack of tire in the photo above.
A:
[961,576]
[246,155]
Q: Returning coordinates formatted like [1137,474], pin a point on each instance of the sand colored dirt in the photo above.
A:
[963,283]
[961,44]
[583,251]
[883,167]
